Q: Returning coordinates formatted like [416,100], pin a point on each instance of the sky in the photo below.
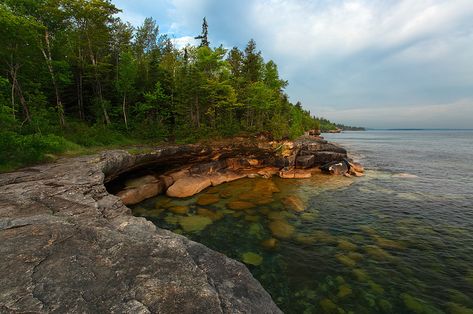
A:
[371,63]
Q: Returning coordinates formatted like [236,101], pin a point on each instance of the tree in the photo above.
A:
[127,71]
[204,40]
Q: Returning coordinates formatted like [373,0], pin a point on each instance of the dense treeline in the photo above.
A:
[72,73]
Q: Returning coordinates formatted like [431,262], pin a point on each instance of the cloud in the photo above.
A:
[345,54]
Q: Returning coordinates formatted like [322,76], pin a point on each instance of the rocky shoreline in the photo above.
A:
[68,245]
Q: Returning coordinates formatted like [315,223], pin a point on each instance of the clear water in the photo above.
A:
[399,240]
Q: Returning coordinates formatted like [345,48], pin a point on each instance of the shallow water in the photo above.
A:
[399,240]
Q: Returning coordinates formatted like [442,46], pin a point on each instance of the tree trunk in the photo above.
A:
[23,103]
[124,110]
[49,63]
[97,82]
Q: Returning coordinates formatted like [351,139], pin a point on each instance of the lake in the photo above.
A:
[399,240]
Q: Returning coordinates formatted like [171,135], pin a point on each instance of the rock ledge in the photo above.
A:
[67,245]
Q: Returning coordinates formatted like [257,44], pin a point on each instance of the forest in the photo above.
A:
[74,76]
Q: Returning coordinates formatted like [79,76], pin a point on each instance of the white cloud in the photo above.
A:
[181,42]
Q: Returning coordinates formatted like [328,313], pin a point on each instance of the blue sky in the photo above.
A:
[374,63]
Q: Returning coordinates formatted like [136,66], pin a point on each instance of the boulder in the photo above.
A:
[137,182]
[166,180]
[268,172]
[179,174]
[188,186]
[222,177]
[323,157]
[208,167]
[336,168]
[135,195]
[306,161]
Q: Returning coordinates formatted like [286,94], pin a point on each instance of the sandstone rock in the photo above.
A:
[180,174]
[281,229]
[166,180]
[294,203]
[268,172]
[223,177]
[181,210]
[240,205]
[188,186]
[269,243]
[295,174]
[136,195]
[207,199]
[137,182]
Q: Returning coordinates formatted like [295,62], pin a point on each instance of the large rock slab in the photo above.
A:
[188,186]
[68,246]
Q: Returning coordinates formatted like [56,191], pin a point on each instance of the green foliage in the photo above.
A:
[75,73]
[17,150]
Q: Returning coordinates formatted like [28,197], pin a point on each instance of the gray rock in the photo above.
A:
[306,161]
[67,245]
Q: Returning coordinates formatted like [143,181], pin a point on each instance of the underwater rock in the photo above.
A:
[270,243]
[279,215]
[417,305]
[194,223]
[180,210]
[344,291]
[255,230]
[305,238]
[328,306]
[163,203]
[281,229]
[377,253]
[171,219]
[309,216]
[207,199]
[345,260]
[388,244]
[266,187]
[152,212]
[252,218]
[375,287]
[324,236]
[355,256]
[210,214]
[225,194]
[293,202]
[264,201]
[252,258]
[454,308]
[188,186]
[385,306]
[346,245]
[240,205]
[360,274]
[249,196]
